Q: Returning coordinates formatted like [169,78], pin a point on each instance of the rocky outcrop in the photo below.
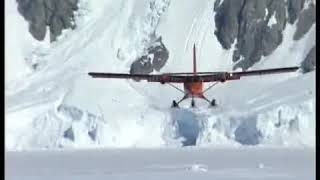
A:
[155,58]
[294,8]
[260,31]
[227,21]
[309,62]
[306,19]
[255,27]
[56,14]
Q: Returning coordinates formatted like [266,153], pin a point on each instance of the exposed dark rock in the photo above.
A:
[309,63]
[258,34]
[160,55]
[272,35]
[250,34]
[156,57]
[227,21]
[216,4]
[256,24]
[57,14]
[306,19]
[68,134]
[294,8]
[142,65]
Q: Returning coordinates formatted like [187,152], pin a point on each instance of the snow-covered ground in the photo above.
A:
[59,105]
[263,127]
[166,163]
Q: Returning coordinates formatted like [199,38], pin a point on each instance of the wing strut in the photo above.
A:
[210,87]
[176,88]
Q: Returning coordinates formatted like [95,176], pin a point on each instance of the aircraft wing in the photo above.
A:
[191,77]
[225,76]
[163,78]
[266,71]
[119,75]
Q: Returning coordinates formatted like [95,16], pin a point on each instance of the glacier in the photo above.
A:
[55,104]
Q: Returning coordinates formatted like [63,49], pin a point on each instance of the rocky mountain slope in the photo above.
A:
[55,14]
[254,27]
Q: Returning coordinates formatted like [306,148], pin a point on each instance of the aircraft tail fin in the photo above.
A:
[194,59]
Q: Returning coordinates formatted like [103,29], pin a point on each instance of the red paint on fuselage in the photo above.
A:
[193,89]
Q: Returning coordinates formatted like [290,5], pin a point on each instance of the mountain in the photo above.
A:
[51,102]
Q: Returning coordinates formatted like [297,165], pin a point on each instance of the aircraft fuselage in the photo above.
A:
[194,89]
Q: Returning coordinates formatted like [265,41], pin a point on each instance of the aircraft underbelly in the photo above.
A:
[193,89]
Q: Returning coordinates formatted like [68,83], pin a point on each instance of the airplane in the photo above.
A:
[192,81]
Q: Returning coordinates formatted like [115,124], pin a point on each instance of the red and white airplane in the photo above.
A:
[192,81]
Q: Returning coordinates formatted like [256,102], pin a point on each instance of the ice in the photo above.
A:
[57,105]
[62,124]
